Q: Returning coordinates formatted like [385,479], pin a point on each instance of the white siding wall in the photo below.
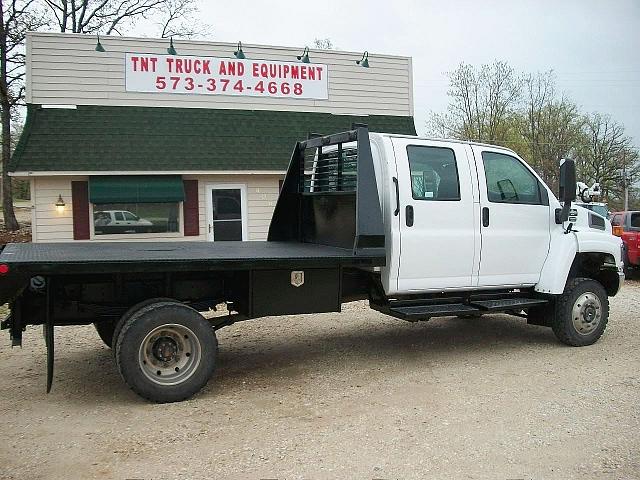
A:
[66,69]
[47,224]
[262,194]
[51,226]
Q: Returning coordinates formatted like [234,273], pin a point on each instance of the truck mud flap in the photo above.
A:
[48,336]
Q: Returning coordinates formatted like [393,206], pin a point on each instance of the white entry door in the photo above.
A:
[226,212]
[439,234]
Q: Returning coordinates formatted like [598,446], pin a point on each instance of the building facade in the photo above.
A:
[128,142]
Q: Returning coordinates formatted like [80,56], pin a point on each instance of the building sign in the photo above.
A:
[224,76]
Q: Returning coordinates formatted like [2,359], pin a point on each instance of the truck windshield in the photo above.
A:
[599,209]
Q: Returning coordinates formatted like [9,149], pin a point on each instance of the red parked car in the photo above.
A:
[627,226]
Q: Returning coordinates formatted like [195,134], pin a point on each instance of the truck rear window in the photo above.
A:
[434,173]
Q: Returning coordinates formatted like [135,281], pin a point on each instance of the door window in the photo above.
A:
[119,216]
[227,213]
[509,181]
[434,173]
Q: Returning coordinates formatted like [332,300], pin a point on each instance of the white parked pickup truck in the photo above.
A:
[420,228]
[120,221]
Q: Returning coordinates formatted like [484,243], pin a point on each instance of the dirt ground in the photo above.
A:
[353,395]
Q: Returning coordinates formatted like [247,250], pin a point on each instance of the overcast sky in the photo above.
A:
[593,45]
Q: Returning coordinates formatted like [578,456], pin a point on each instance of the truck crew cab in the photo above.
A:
[421,228]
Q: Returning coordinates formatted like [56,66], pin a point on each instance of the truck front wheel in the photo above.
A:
[166,352]
[582,312]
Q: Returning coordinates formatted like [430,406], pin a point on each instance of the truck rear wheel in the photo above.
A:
[166,352]
[131,311]
[582,312]
[105,331]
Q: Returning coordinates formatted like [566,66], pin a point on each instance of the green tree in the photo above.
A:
[550,126]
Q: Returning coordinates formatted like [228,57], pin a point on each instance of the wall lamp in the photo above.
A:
[364,61]
[60,204]
[171,50]
[99,47]
[304,58]
[239,54]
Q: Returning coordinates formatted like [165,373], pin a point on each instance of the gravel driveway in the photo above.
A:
[355,395]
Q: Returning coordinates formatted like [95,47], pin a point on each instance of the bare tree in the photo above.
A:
[178,18]
[608,156]
[323,43]
[17,17]
[105,16]
[174,17]
[483,102]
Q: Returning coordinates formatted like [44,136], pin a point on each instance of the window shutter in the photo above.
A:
[80,209]
[190,209]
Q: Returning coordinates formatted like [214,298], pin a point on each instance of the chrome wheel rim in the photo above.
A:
[169,354]
[586,313]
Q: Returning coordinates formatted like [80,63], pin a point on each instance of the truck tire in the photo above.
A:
[105,331]
[166,352]
[131,311]
[582,312]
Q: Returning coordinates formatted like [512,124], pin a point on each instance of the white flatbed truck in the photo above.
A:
[420,228]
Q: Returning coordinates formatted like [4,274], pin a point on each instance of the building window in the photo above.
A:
[124,205]
[128,218]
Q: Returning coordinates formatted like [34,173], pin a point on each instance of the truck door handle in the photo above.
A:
[485,216]
[396,212]
[409,215]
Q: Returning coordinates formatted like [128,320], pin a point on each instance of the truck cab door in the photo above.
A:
[437,219]
[515,219]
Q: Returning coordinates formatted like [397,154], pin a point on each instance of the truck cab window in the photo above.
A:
[434,173]
[509,181]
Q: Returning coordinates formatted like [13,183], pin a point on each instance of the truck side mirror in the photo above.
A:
[567,188]
[567,180]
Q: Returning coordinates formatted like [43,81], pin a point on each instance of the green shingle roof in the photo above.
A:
[99,138]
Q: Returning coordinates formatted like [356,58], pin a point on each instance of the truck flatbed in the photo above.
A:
[176,256]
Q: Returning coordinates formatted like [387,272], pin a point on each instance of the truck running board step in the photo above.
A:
[419,312]
[508,303]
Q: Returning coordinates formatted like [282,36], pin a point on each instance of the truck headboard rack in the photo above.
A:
[330,195]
